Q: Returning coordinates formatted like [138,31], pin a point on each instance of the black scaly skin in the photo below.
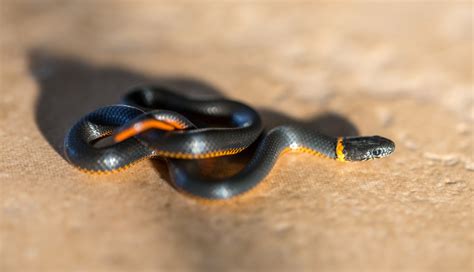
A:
[243,128]
[239,124]
[79,148]
[186,177]
[228,125]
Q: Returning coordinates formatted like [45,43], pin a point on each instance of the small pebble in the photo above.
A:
[450,182]
[469,166]
[448,160]
[451,161]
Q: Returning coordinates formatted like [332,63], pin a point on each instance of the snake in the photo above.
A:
[156,121]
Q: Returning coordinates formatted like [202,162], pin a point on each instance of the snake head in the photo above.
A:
[365,148]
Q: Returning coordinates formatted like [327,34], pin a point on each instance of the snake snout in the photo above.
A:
[382,147]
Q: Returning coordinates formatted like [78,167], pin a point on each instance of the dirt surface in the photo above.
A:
[401,70]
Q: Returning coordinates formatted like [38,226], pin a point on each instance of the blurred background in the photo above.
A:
[401,69]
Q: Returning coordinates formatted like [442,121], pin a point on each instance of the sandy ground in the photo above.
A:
[402,70]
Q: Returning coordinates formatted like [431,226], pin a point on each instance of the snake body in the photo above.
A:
[156,122]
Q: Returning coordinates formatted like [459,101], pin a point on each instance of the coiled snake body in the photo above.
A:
[152,123]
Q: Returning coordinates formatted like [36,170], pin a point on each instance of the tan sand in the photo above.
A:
[403,71]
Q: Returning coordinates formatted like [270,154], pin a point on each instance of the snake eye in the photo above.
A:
[377,152]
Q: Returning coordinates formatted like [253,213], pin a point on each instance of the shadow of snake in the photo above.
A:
[69,88]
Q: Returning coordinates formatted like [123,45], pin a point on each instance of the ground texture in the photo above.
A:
[401,70]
